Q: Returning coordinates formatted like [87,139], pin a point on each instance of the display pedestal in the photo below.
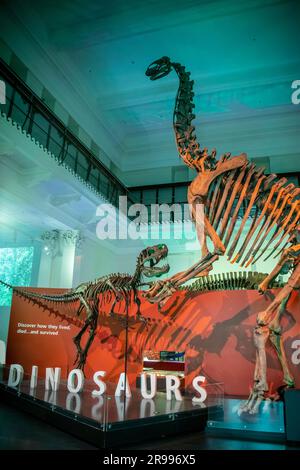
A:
[266,425]
[292,414]
[108,422]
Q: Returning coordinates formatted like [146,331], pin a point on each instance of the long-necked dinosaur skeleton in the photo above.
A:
[222,187]
[121,286]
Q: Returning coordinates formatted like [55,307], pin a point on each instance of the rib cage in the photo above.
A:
[276,208]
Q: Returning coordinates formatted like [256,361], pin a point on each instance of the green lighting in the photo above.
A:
[15,269]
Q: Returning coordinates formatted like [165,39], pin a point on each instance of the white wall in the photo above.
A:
[101,257]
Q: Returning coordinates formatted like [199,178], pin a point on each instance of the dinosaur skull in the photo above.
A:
[149,259]
[159,68]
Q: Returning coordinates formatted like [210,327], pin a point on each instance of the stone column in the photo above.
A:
[57,259]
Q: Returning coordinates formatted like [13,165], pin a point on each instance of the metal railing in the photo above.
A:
[176,193]
[169,194]
[28,111]
[172,194]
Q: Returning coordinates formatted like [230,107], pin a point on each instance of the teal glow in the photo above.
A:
[15,269]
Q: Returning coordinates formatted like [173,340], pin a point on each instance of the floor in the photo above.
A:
[22,431]
[19,430]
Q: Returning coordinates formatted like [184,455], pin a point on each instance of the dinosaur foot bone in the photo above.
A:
[253,403]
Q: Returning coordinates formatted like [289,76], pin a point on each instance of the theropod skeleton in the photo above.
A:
[121,286]
[222,188]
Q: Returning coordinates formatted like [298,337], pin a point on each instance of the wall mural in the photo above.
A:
[214,328]
[89,296]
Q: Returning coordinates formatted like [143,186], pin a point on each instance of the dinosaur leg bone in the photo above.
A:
[137,301]
[265,317]
[77,338]
[118,296]
[161,291]
[276,339]
[82,360]
[268,325]
[195,270]
[219,248]
[287,256]
[203,225]
[270,277]
[261,334]
[77,343]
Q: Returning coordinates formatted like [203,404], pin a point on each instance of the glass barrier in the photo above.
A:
[268,419]
[82,407]
[109,412]
[126,412]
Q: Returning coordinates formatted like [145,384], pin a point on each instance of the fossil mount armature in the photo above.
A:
[223,187]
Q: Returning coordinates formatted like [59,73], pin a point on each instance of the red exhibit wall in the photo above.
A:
[215,329]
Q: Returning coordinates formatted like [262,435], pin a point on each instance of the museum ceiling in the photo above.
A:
[92,55]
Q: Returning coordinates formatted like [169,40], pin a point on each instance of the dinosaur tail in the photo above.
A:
[228,281]
[34,295]
[5,284]
[20,292]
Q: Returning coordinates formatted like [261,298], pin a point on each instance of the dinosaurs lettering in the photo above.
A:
[122,286]
[223,187]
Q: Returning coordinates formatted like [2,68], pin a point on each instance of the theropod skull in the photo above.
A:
[150,257]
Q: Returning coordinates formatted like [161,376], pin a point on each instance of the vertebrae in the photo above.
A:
[228,281]
[186,140]
[89,290]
